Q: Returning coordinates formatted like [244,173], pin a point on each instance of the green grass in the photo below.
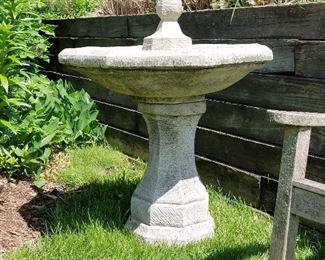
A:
[88,222]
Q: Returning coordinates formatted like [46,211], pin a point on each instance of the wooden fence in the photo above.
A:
[235,145]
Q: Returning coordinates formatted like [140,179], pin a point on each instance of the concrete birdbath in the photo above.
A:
[168,76]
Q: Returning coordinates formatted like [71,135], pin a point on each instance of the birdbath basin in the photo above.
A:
[169,77]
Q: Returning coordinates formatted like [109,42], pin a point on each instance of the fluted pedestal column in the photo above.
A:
[170,204]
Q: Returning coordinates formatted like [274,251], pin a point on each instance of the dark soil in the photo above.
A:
[24,211]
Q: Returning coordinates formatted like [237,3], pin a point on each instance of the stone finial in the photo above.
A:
[168,34]
[169,10]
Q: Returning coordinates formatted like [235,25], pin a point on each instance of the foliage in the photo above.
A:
[77,8]
[66,8]
[120,7]
[36,115]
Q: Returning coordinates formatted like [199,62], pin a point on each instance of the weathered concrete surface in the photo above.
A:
[168,82]
[170,204]
[297,118]
[194,57]
[293,166]
[168,34]
[309,202]
[297,197]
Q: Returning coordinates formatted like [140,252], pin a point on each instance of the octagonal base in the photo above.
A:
[172,235]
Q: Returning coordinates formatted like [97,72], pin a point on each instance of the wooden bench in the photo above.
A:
[297,197]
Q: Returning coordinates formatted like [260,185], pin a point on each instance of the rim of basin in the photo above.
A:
[197,56]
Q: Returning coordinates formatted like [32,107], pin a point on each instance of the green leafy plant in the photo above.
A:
[66,8]
[37,116]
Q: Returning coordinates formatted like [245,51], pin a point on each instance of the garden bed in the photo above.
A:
[24,211]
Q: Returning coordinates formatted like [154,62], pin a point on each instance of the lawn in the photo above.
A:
[88,221]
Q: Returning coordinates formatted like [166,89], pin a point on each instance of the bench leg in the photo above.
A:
[293,167]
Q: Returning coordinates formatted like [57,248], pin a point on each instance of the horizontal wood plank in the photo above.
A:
[240,183]
[128,143]
[257,157]
[310,59]
[264,22]
[60,43]
[104,26]
[252,122]
[277,92]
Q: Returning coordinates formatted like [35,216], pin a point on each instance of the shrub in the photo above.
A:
[66,8]
[123,7]
[37,115]
[120,7]
[197,4]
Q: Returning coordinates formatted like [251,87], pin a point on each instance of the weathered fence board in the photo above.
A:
[252,122]
[257,157]
[300,22]
[277,92]
[239,182]
[122,118]
[310,59]
[60,43]
[105,26]
[129,143]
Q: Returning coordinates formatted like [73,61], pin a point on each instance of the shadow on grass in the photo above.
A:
[107,204]
[314,239]
[104,203]
[37,212]
[240,252]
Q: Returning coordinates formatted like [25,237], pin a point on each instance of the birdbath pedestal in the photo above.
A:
[169,78]
[170,204]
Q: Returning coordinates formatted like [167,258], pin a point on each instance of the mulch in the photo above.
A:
[25,210]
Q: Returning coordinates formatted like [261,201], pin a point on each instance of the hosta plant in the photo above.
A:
[37,116]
